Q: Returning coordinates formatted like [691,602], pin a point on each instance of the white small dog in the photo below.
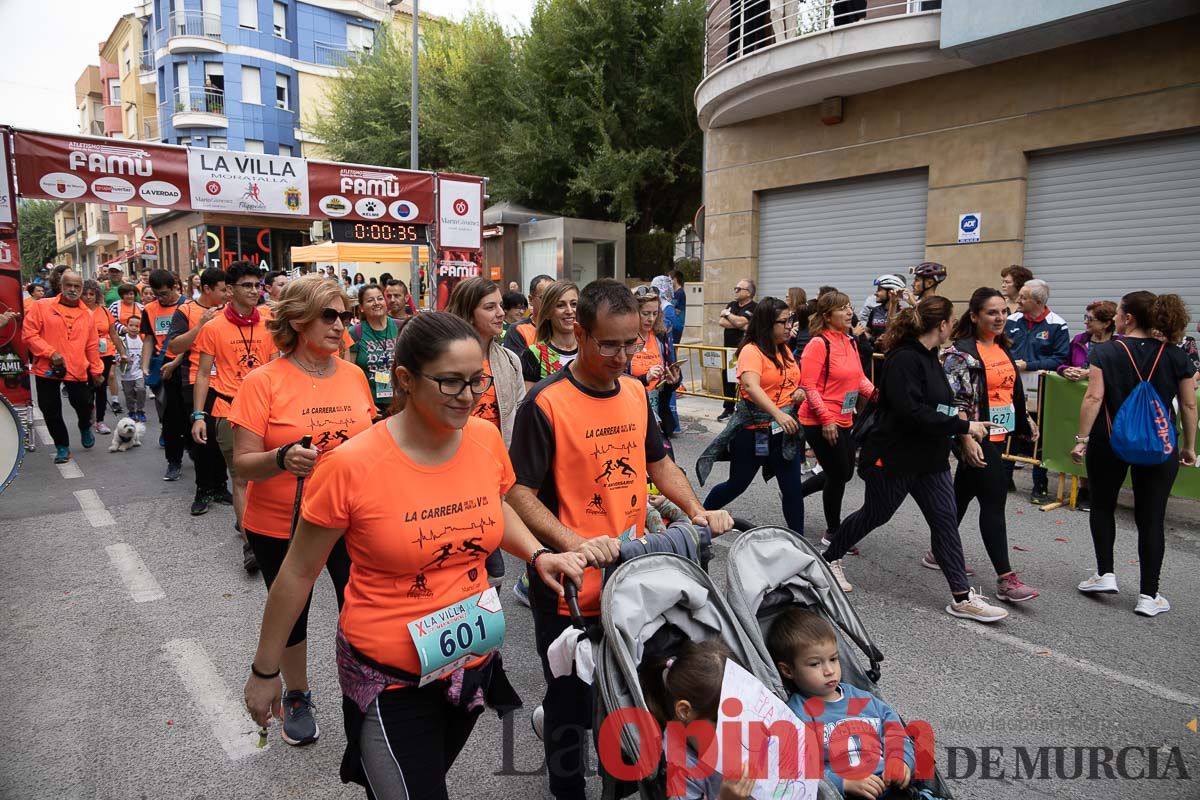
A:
[127,434]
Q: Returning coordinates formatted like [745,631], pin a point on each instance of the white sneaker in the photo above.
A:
[836,568]
[537,720]
[1151,606]
[976,607]
[1100,583]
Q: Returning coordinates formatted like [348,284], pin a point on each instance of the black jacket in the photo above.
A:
[979,387]
[918,415]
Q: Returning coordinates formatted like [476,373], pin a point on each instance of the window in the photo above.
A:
[281,92]
[280,12]
[285,150]
[359,38]
[254,146]
[114,91]
[126,63]
[251,86]
[218,143]
[248,14]
[131,126]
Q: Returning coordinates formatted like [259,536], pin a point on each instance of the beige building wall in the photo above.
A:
[972,130]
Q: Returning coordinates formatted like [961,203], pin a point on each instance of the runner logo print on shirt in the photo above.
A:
[467,547]
[611,452]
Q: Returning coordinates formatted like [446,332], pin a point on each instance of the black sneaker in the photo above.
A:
[1083,500]
[174,472]
[116,407]
[1040,495]
[724,416]
[200,504]
[221,496]
[299,723]
[249,562]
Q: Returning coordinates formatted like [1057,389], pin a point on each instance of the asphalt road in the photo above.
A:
[130,627]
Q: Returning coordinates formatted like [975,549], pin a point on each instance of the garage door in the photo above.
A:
[844,233]
[1110,220]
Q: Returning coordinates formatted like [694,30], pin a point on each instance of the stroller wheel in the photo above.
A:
[536,720]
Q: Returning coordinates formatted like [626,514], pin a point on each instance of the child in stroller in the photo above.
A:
[686,688]
[804,647]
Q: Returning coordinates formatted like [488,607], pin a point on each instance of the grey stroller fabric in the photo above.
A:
[681,538]
[779,566]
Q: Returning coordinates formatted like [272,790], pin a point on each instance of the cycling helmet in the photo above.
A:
[929,269]
[889,282]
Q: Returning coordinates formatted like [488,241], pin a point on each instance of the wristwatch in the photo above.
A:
[197,416]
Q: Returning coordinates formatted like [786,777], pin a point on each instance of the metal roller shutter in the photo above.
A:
[1102,222]
[844,233]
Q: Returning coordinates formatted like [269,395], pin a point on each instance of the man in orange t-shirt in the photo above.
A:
[233,342]
[60,333]
[189,320]
[156,328]
[584,446]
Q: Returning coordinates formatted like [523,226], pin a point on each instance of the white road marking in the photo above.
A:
[141,584]
[235,731]
[43,433]
[93,508]
[1080,664]
[69,470]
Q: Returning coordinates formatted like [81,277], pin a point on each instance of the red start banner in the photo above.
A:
[88,169]
[14,376]
[371,194]
[91,170]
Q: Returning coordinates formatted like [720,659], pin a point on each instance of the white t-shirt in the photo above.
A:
[133,370]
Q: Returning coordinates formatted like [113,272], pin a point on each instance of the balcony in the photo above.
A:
[767,56]
[146,68]
[333,55]
[100,232]
[194,32]
[377,10]
[199,108]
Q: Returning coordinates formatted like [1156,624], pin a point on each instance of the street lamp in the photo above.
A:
[414,284]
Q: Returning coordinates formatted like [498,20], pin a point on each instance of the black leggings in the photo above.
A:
[102,389]
[1151,488]
[988,485]
[49,400]
[270,550]
[935,497]
[744,465]
[837,468]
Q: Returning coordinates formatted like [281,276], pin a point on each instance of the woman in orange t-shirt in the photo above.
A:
[308,392]
[419,502]
[766,414]
[93,298]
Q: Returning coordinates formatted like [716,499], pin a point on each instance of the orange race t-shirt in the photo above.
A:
[488,407]
[104,324]
[1001,378]
[126,311]
[585,453]
[282,404]
[650,356]
[417,535]
[778,384]
[192,313]
[235,351]
[156,321]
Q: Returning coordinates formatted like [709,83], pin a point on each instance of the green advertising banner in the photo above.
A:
[1061,400]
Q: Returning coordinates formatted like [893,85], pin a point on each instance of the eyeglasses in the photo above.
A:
[1088,318]
[783,322]
[452,387]
[741,288]
[645,292]
[248,285]
[331,315]
[610,349]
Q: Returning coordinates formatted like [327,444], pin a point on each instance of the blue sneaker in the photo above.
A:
[161,441]
[521,589]
[89,438]
[299,724]
[62,455]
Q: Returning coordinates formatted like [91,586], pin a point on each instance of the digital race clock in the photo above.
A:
[378,232]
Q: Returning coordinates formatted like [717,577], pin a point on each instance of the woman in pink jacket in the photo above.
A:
[831,375]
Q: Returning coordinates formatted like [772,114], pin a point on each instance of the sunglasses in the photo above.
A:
[332,315]
[646,292]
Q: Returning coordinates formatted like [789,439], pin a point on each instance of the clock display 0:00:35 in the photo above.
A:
[378,232]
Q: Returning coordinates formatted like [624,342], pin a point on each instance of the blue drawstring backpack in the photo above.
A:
[1143,432]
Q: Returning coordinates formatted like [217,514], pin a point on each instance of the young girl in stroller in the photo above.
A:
[686,688]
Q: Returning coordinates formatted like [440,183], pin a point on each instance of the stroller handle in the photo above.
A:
[571,596]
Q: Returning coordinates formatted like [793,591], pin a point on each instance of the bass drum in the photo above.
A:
[12,443]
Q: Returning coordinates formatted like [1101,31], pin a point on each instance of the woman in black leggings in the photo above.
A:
[985,382]
[910,452]
[1116,368]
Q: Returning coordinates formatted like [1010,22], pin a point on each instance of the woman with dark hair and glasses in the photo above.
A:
[763,432]
[307,392]
[419,500]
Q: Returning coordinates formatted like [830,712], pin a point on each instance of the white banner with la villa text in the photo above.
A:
[247,183]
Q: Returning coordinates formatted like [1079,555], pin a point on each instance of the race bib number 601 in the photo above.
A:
[457,634]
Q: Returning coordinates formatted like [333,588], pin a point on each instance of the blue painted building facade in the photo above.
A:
[229,72]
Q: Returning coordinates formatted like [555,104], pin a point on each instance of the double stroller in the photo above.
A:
[653,603]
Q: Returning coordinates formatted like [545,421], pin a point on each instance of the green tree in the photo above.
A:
[35,233]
